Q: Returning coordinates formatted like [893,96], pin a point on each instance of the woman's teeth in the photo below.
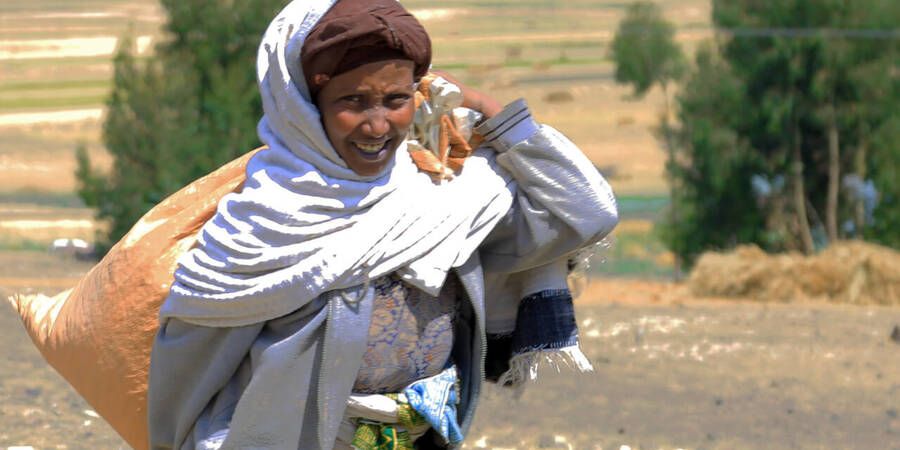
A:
[370,148]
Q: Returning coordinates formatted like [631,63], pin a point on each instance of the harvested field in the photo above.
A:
[671,371]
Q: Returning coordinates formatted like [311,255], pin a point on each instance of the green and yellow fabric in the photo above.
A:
[372,435]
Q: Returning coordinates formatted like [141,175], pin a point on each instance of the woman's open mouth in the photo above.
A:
[372,150]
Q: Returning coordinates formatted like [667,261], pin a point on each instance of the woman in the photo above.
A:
[341,268]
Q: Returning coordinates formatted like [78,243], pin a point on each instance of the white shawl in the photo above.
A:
[305,223]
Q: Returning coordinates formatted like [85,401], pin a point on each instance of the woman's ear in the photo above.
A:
[320,79]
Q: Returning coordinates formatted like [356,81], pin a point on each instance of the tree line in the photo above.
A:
[789,140]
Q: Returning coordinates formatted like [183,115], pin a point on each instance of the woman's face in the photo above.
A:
[367,111]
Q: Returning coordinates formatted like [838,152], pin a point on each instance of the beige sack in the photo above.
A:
[99,334]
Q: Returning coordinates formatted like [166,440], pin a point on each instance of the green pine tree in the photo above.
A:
[179,114]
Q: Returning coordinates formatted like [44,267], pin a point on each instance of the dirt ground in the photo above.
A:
[671,371]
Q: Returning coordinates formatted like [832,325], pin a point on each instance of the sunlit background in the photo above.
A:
[784,344]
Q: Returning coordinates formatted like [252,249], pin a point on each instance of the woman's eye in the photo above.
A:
[356,99]
[397,100]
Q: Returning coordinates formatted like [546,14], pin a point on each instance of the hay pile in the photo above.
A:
[846,272]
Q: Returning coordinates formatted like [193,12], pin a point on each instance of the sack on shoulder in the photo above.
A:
[99,334]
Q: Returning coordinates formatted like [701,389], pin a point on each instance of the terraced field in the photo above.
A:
[55,67]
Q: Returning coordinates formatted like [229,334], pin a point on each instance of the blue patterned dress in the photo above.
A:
[410,336]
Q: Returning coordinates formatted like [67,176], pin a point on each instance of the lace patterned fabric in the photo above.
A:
[410,336]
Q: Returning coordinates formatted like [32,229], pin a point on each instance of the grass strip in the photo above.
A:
[27,245]
[535,4]
[53,102]
[633,254]
[40,198]
[631,268]
[525,63]
[54,84]
[19,64]
[634,205]
[60,6]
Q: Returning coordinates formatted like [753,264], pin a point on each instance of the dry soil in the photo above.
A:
[671,371]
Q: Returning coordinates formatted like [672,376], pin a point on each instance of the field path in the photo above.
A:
[55,116]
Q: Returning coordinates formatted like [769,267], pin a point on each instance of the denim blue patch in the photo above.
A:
[546,320]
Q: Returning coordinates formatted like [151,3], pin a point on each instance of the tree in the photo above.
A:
[718,211]
[877,157]
[791,105]
[179,114]
[646,54]
[644,49]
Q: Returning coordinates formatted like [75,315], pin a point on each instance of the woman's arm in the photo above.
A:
[562,202]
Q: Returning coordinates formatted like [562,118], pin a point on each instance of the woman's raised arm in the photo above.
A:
[562,203]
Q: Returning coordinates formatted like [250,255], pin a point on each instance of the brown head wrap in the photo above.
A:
[357,32]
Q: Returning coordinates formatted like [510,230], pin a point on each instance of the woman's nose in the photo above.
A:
[376,123]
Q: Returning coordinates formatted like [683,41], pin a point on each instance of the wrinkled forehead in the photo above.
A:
[377,79]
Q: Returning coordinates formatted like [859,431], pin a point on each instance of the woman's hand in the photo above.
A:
[472,99]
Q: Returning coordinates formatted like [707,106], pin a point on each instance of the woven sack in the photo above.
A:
[99,334]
